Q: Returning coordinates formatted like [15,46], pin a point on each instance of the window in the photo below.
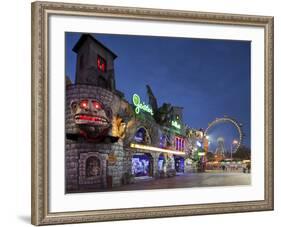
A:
[93,167]
[101,64]
[179,142]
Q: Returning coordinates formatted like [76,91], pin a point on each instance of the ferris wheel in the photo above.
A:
[237,127]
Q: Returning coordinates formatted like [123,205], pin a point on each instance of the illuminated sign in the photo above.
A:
[176,124]
[157,149]
[141,105]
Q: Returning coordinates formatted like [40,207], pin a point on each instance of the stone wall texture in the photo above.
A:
[115,158]
[79,92]
[111,172]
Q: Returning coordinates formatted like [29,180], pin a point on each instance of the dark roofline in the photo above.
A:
[84,37]
[179,107]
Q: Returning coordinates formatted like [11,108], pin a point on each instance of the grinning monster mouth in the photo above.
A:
[90,119]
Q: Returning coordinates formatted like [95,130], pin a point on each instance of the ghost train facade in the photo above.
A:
[110,141]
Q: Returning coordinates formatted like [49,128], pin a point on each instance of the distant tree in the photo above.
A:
[163,114]
[243,153]
[67,80]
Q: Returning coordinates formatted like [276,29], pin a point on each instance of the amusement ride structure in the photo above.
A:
[220,141]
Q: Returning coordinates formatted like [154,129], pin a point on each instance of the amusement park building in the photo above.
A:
[109,140]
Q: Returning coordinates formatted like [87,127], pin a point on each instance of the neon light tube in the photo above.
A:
[144,147]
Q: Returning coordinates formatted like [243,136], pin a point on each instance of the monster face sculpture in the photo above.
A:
[92,118]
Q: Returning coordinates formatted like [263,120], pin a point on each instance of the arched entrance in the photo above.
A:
[90,171]
[142,136]
[142,165]
[179,164]
[93,167]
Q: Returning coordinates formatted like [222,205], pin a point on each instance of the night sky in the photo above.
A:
[209,78]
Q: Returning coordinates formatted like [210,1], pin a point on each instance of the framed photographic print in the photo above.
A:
[149,113]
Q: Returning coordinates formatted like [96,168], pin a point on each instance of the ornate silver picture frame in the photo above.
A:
[42,213]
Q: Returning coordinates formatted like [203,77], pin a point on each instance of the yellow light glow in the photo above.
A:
[144,147]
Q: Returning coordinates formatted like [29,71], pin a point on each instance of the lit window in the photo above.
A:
[101,64]
[179,142]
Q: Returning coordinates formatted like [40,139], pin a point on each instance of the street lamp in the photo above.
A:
[233,142]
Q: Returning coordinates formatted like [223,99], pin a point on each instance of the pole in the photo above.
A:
[231,151]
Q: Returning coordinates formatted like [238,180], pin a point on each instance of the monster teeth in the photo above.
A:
[85,118]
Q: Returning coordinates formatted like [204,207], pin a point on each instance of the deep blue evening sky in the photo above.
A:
[209,78]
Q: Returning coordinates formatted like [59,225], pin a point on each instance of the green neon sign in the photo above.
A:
[176,124]
[141,105]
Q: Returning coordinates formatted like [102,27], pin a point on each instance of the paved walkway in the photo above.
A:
[190,180]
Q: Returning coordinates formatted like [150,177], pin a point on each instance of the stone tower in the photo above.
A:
[94,64]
